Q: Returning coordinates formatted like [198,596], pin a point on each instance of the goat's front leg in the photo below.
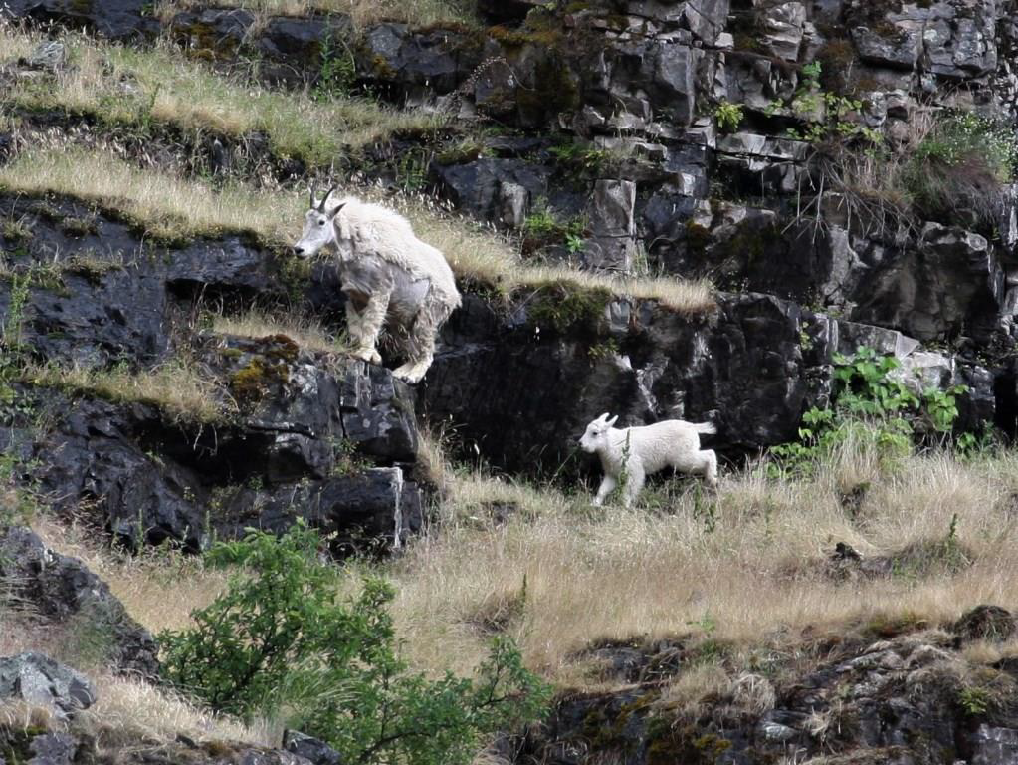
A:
[608,484]
[371,319]
[353,324]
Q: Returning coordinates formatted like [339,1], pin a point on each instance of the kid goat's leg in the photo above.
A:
[608,484]
[635,476]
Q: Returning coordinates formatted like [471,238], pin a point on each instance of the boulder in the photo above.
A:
[373,508]
[116,19]
[61,589]
[312,749]
[38,680]
[494,190]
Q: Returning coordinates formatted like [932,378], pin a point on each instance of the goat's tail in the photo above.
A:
[704,427]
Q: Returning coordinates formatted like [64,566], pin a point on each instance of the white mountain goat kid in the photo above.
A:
[386,272]
[638,452]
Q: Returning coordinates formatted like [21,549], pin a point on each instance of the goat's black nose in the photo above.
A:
[298,250]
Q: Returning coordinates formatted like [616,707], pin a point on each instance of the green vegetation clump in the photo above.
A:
[824,115]
[279,642]
[869,405]
[955,173]
[728,116]
[567,308]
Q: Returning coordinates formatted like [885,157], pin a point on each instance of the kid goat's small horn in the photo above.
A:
[321,205]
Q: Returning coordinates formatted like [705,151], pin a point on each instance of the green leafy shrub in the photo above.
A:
[337,74]
[728,116]
[824,115]
[279,643]
[872,406]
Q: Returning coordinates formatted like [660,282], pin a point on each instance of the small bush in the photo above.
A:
[278,643]
[728,116]
[955,173]
[869,406]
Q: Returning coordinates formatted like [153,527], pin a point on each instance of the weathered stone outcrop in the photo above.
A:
[885,697]
[633,86]
[298,430]
[753,367]
[62,591]
[40,681]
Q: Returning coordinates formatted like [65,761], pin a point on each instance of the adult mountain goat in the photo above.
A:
[385,272]
[637,452]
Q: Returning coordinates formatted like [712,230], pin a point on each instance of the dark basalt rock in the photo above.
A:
[60,588]
[317,752]
[502,11]
[496,190]
[116,19]
[868,687]
[93,455]
[370,508]
[147,477]
[294,48]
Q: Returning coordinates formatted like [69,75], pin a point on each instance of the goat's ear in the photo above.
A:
[336,209]
[612,421]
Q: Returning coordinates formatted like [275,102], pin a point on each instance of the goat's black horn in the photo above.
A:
[321,207]
[311,195]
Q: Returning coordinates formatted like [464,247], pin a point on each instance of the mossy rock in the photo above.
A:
[16,743]
[671,742]
[554,92]
[569,308]
[252,382]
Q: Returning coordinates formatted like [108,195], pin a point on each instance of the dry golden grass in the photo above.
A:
[127,86]
[177,388]
[306,331]
[414,12]
[131,711]
[172,207]
[745,568]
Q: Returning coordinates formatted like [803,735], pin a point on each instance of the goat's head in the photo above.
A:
[595,437]
[319,230]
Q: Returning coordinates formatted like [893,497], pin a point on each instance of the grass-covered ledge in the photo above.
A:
[173,208]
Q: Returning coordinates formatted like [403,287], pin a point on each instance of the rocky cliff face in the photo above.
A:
[767,146]
[599,121]
[899,699]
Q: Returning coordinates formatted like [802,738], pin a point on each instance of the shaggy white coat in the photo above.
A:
[386,271]
[639,451]
[373,229]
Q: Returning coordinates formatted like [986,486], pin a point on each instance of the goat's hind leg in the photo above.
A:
[421,343]
[708,466]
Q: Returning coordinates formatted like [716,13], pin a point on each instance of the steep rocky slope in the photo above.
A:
[769,147]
